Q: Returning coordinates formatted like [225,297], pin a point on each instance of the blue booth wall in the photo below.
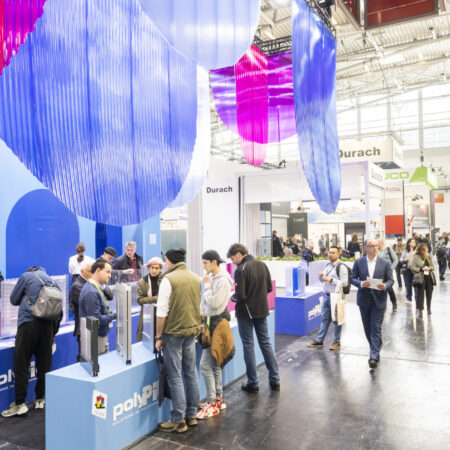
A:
[37,229]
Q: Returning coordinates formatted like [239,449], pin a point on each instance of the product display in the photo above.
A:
[89,345]
[123,326]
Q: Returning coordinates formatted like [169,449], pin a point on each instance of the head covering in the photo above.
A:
[176,255]
[212,255]
[155,260]
[111,251]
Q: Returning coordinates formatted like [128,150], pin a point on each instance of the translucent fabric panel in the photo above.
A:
[212,33]
[101,110]
[314,71]
[264,82]
[17,19]
[201,156]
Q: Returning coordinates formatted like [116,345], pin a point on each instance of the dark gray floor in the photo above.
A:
[332,401]
[328,400]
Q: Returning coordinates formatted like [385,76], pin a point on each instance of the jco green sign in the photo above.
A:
[395,176]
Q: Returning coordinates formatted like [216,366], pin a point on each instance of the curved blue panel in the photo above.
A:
[314,71]
[212,33]
[102,110]
[41,231]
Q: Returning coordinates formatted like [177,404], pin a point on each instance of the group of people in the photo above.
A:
[183,309]
[293,248]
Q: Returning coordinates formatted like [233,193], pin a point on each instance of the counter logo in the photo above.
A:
[315,312]
[99,404]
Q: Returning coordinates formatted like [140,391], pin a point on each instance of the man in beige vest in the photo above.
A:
[177,323]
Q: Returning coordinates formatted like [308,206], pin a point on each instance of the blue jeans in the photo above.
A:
[212,374]
[442,266]
[326,320]
[262,333]
[408,277]
[372,319]
[179,353]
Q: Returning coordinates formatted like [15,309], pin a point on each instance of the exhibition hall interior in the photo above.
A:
[224,224]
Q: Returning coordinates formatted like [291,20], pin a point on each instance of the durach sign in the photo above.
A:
[374,151]
[215,190]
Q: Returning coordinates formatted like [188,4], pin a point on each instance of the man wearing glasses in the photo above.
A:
[372,276]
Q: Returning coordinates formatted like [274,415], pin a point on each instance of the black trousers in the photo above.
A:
[399,276]
[392,295]
[425,289]
[33,338]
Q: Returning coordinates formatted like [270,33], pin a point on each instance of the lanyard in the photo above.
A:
[101,293]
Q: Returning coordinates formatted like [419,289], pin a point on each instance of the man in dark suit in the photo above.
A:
[74,296]
[372,300]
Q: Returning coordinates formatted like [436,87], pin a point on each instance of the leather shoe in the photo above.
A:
[274,386]
[394,307]
[373,363]
[252,388]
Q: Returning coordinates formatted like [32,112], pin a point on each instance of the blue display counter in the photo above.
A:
[121,404]
[66,354]
[299,315]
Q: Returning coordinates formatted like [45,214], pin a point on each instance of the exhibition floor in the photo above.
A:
[328,400]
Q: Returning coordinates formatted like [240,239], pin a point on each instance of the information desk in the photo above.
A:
[121,404]
[299,315]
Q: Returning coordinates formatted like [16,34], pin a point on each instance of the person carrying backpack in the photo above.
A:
[331,275]
[389,255]
[34,337]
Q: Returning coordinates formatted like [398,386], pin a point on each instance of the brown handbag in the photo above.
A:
[205,334]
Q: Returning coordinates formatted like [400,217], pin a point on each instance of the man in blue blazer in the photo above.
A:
[371,301]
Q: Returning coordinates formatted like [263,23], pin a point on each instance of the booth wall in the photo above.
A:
[37,229]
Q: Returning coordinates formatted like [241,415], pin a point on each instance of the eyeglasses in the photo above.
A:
[371,246]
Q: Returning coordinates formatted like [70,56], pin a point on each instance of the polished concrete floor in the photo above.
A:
[328,400]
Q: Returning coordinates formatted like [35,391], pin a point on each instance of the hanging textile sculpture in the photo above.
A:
[101,110]
[17,19]
[255,99]
[212,33]
[314,69]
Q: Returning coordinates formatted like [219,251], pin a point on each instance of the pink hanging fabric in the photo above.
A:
[17,20]
[252,103]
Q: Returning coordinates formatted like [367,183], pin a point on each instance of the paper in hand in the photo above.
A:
[374,282]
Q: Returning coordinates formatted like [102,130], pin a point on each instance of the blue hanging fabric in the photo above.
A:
[212,33]
[314,77]
[102,110]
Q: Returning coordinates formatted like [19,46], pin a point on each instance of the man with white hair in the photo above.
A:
[372,276]
[130,262]
[74,296]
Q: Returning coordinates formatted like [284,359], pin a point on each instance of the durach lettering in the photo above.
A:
[360,153]
[215,190]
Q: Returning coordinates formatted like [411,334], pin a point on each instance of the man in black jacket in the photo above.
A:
[129,263]
[277,248]
[74,296]
[253,282]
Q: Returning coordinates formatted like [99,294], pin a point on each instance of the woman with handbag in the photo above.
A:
[407,260]
[147,290]
[424,278]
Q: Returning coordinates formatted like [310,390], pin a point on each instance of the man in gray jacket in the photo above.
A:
[389,255]
[213,306]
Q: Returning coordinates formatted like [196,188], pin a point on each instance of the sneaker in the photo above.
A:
[210,410]
[15,410]
[170,427]
[315,343]
[192,421]
[39,403]
[202,405]
[335,346]
[220,404]
[274,385]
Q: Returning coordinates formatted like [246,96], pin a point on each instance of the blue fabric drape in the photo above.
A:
[212,33]
[314,76]
[101,109]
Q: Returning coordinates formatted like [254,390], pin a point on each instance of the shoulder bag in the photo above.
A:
[48,305]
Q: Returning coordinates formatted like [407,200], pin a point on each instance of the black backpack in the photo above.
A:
[346,289]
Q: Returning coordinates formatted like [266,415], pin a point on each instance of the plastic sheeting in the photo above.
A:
[102,110]
[201,156]
[268,79]
[212,33]
[17,19]
[314,69]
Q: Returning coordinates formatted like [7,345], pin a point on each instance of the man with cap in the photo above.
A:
[109,254]
[177,323]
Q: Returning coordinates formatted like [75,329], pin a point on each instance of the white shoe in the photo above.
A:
[15,410]
[39,403]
